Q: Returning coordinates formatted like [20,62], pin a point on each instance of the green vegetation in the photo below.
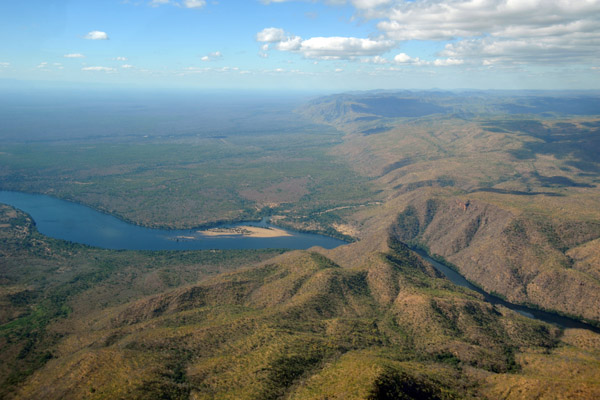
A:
[46,280]
[509,200]
[293,325]
[194,182]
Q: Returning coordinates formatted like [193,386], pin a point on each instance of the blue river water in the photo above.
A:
[80,224]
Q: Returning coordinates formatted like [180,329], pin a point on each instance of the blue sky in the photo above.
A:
[306,45]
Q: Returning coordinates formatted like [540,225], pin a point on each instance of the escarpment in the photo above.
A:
[525,258]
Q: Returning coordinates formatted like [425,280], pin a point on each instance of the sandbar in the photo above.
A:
[250,231]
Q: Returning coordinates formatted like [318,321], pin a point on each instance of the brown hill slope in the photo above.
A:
[512,200]
[520,256]
[299,326]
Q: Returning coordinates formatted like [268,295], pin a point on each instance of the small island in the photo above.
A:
[250,231]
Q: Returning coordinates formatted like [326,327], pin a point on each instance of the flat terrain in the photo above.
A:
[277,164]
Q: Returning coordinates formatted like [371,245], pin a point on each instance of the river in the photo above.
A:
[457,279]
[74,222]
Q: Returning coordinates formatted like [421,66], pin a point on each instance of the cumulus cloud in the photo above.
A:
[270,35]
[100,69]
[405,59]
[343,47]
[127,66]
[402,58]
[487,31]
[74,55]
[120,58]
[4,64]
[96,35]
[516,31]
[326,48]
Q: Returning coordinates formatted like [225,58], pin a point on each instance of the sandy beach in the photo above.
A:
[250,231]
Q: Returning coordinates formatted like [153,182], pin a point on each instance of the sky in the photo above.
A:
[317,45]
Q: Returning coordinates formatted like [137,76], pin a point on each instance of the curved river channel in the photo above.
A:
[80,224]
[457,279]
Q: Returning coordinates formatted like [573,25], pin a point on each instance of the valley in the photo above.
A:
[501,186]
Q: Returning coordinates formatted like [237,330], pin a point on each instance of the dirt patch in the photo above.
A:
[346,229]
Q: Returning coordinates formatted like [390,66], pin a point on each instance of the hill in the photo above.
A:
[295,325]
[511,200]
[502,186]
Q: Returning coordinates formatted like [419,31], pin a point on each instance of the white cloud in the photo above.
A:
[405,59]
[194,3]
[4,64]
[96,35]
[120,58]
[74,55]
[127,66]
[326,48]
[402,58]
[509,31]
[368,4]
[43,64]
[448,19]
[271,35]
[486,32]
[343,47]
[292,43]
[101,69]
[448,62]
[212,56]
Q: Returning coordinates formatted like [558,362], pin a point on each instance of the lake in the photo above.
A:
[80,224]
